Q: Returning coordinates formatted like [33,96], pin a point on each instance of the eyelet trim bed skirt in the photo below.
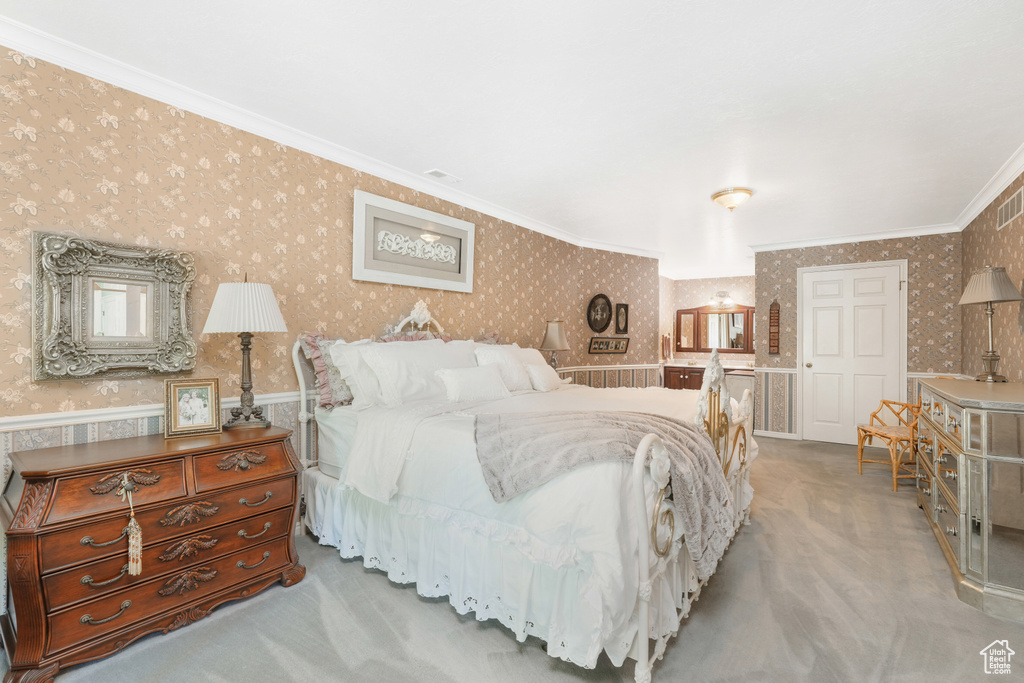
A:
[489,568]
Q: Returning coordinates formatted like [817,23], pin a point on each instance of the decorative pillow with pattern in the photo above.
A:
[332,388]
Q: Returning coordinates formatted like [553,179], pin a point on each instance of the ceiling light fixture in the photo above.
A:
[732,197]
[429,237]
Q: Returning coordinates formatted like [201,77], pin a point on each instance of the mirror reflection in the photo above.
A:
[120,309]
[685,338]
[722,331]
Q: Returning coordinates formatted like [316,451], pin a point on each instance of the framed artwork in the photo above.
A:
[399,244]
[191,406]
[621,318]
[608,344]
[599,313]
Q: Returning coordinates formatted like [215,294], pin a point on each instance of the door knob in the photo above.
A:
[808,364]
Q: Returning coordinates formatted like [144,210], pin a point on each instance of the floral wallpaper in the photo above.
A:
[694,293]
[934,274]
[84,157]
[986,246]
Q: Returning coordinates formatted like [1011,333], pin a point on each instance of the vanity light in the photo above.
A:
[732,197]
[721,300]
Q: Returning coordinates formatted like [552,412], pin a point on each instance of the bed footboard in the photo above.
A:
[728,431]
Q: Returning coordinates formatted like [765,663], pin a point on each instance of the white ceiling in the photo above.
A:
[605,122]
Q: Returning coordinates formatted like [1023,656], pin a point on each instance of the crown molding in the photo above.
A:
[1009,172]
[63,53]
[920,231]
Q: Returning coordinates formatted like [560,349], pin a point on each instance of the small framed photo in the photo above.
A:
[191,406]
[608,345]
[621,318]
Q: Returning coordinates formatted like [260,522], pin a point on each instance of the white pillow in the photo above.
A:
[482,383]
[532,357]
[361,380]
[406,370]
[543,377]
[509,363]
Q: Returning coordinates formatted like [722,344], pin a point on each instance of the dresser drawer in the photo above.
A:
[97,617]
[947,472]
[947,517]
[91,494]
[239,466]
[102,577]
[65,548]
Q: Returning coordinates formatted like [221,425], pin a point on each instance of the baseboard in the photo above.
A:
[777,435]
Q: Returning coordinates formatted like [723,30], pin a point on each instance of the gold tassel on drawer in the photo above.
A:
[134,530]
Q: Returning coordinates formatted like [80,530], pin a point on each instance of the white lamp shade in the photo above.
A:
[554,337]
[989,284]
[244,307]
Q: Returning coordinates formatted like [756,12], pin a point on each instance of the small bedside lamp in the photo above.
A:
[243,308]
[989,286]
[554,340]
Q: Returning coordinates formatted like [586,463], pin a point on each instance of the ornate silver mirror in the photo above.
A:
[101,309]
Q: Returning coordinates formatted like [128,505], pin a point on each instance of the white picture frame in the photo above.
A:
[388,245]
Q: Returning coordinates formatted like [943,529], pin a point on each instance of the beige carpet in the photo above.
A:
[836,579]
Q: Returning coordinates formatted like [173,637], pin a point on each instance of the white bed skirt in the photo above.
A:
[484,567]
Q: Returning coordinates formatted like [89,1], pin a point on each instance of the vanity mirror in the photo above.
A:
[730,330]
[101,309]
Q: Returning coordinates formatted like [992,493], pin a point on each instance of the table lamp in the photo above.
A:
[554,340]
[244,308]
[990,286]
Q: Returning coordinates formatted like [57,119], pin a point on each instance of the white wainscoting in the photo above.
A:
[607,376]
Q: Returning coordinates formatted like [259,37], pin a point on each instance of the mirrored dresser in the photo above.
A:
[970,483]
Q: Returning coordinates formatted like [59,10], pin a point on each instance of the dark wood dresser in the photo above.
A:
[217,514]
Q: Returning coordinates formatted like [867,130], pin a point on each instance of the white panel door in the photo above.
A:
[851,348]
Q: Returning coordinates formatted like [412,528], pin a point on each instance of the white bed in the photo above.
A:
[558,562]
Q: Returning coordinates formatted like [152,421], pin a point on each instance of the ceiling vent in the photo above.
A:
[442,176]
[1010,209]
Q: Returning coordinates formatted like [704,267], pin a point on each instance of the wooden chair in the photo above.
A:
[895,424]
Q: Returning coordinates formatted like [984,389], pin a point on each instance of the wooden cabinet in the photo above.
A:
[683,377]
[217,514]
[970,465]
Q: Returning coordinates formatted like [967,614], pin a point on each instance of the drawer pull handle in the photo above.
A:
[87,540]
[87,580]
[941,508]
[952,530]
[243,534]
[242,565]
[245,501]
[926,492]
[87,618]
[950,474]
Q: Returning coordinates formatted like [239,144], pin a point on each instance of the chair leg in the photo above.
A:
[894,456]
[860,452]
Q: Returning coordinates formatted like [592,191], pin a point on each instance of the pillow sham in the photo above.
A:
[406,370]
[510,365]
[532,357]
[333,390]
[482,383]
[357,374]
[543,377]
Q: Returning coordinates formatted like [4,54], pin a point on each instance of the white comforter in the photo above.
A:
[582,522]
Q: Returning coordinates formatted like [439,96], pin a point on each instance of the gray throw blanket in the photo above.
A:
[519,451]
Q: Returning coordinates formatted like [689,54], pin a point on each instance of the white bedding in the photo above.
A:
[568,546]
